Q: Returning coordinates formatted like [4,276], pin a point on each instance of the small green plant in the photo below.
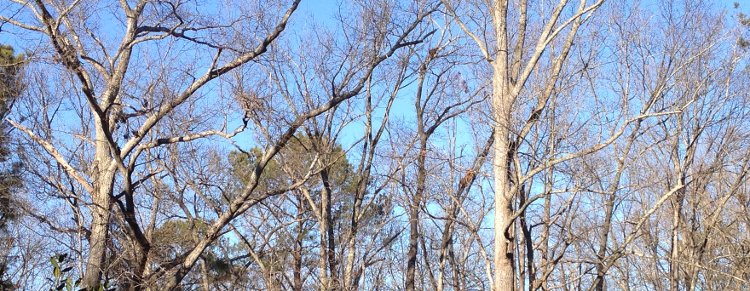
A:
[61,279]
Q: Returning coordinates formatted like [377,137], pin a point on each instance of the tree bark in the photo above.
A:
[327,263]
[411,255]
[297,253]
[503,254]
[502,102]
[101,198]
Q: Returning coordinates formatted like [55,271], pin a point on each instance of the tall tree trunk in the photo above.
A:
[97,242]
[411,255]
[503,253]
[351,248]
[674,252]
[501,105]
[297,253]
[327,263]
[601,254]
[349,282]
[502,102]
[547,220]
[103,183]
[680,163]
[423,135]
[528,246]
[674,281]
[446,243]
[323,251]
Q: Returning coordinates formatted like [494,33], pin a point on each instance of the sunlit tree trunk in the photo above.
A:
[103,184]
[502,102]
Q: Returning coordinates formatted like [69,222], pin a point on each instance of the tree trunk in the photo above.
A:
[328,218]
[97,241]
[327,263]
[446,243]
[547,220]
[411,255]
[205,280]
[349,283]
[674,252]
[411,263]
[502,102]
[351,248]
[673,256]
[104,177]
[503,253]
[528,247]
[297,253]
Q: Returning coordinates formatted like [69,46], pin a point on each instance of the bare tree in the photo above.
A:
[448,145]
[128,114]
